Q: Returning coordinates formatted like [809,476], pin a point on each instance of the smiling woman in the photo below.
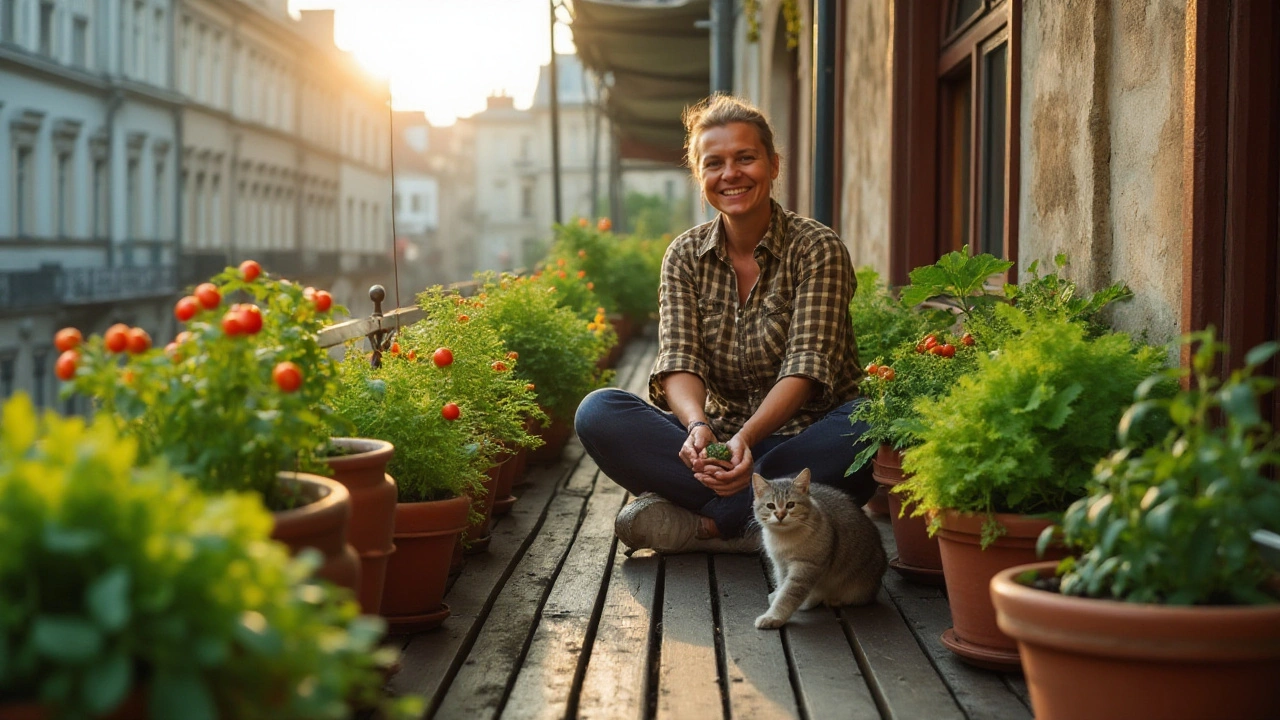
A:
[754,346]
[442,56]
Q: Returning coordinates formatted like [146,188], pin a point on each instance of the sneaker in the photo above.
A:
[654,522]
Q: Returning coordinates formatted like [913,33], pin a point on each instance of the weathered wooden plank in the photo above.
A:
[561,644]
[829,682]
[351,329]
[688,676]
[430,659]
[898,671]
[756,663]
[617,680]
[481,684]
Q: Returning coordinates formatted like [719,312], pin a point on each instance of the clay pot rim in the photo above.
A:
[330,494]
[1116,628]
[1016,525]
[371,450]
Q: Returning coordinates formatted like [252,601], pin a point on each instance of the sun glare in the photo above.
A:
[446,56]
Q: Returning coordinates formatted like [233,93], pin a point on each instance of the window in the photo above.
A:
[417,202]
[133,199]
[62,200]
[9,21]
[139,40]
[526,201]
[100,198]
[80,42]
[957,150]
[39,377]
[158,49]
[6,374]
[161,207]
[200,64]
[46,28]
[24,195]
[215,211]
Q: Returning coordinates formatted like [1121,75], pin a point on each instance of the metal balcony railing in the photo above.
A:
[81,286]
[20,289]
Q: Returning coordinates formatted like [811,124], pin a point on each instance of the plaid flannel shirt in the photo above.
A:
[794,322]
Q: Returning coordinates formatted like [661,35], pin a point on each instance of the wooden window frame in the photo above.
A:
[923,52]
[1231,178]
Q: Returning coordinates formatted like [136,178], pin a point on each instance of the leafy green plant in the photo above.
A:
[957,279]
[116,577]
[240,394]
[1021,433]
[622,272]
[1172,523]
[407,403]
[558,351]
[881,323]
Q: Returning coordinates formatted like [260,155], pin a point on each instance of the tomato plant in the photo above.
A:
[208,296]
[442,357]
[287,376]
[138,341]
[250,270]
[186,308]
[450,411]
[65,367]
[68,338]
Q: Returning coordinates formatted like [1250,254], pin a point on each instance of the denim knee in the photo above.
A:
[595,408]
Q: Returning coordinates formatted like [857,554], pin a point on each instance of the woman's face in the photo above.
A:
[735,169]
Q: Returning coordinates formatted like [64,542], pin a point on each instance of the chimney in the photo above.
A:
[317,26]
[500,102]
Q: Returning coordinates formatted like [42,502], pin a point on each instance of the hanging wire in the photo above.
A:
[395,251]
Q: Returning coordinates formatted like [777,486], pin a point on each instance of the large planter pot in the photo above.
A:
[968,570]
[1087,658]
[477,534]
[503,500]
[320,524]
[555,436]
[363,471]
[919,559]
[425,535]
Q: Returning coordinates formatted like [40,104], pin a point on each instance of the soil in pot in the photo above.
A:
[968,570]
[361,468]
[1087,658]
[322,524]
[919,559]
[425,536]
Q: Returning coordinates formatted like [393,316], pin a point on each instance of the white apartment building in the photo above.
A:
[147,144]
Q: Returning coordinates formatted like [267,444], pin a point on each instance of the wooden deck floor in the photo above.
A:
[553,621]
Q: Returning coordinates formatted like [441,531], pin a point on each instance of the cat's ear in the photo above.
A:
[801,482]
[759,485]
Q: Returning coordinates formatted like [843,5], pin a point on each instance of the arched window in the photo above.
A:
[955,148]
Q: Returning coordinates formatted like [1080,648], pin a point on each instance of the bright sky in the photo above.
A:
[446,56]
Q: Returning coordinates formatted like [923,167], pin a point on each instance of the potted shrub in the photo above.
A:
[557,349]
[483,372]
[127,591]
[238,397]
[1014,440]
[437,467]
[1168,611]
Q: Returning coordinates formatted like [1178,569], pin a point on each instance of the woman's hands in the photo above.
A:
[724,477]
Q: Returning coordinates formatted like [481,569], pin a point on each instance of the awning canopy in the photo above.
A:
[656,62]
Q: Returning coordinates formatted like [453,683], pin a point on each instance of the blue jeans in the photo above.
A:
[638,446]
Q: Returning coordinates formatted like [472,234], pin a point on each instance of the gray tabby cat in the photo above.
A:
[823,548]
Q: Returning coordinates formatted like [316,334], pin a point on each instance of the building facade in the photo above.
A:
[147,144]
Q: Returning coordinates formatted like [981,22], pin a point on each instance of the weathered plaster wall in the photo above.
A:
[1101,141]
[864,192]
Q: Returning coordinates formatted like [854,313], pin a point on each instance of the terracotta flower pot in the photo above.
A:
[477,534]
[919,559]
[1087,658]
[373,507]
[320,524]
[503,500]
[133,707]
[426,533]
[968,570]
[554,436]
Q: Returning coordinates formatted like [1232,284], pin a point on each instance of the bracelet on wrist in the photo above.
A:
[699,423]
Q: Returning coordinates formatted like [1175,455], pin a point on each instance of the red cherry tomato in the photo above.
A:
[513,355]
[186,308]
[499,366]
[139,341]
[250,317]
[65,367]
[411,355]
[67,338]
[887,374]
[921,348]
[450,411]
[231,323]
[529,387]
[872,369]
[967,340]
[930,342]
[287,376]
[395,348]
[208,295]
[947,350]
[463,318]
[250,270]
[323,300]
[116,338]
[442,357]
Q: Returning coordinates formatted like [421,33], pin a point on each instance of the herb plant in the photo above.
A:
[239,395]
[957,279]
[1172,523]
[116,577]
[882,323]
[1022,432]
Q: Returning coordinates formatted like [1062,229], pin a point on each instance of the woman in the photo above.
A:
[755,349]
